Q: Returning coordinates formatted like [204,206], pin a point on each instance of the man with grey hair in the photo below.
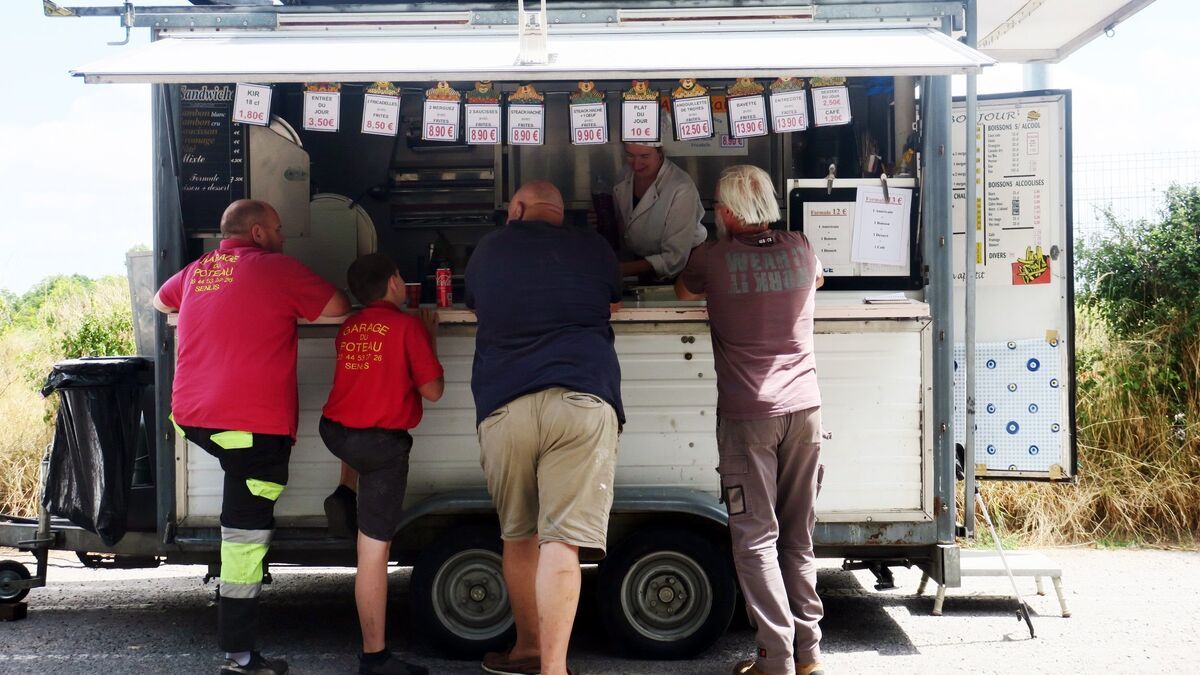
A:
[760,285]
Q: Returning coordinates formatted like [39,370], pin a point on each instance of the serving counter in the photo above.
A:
[873,363]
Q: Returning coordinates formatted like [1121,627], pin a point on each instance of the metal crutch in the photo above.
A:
[1022,608]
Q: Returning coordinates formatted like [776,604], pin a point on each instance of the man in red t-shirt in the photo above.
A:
[386,364]
[761,285]
[234,395]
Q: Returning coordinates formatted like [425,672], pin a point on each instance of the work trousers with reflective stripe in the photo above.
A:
[770,477]
[256,470]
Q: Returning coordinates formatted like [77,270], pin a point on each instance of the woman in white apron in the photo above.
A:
[660,212]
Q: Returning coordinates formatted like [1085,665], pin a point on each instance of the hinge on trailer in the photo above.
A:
[532,29]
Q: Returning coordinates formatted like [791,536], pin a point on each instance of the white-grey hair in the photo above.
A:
[747,191]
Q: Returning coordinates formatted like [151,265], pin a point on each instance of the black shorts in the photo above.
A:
[381,458]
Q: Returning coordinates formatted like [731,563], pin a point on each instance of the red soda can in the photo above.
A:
[444,296]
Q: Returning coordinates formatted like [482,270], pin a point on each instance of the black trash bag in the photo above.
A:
[95,440]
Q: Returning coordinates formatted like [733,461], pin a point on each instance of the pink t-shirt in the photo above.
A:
[236,364]
[761,292]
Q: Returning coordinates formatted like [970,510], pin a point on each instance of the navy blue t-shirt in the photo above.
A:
[542,294]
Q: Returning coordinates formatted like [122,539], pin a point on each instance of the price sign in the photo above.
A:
[483,124]
[831,106]
[693,118]
[526,124]
[789,111]
[439,121]
[747,116]
[639,121]
[252,104]
[322,110]
[381,115]
[589,124]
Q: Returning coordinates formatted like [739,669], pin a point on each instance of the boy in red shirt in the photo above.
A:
[386,364]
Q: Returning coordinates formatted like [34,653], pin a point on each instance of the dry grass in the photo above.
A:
[1139,459]
[26,356]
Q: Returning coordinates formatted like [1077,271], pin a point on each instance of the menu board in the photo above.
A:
[1018,191]
[212,155]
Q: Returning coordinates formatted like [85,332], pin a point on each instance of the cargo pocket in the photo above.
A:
[733,470]
[820,479]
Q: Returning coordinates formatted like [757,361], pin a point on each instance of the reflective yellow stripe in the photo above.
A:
[233,440]
[263,488]
[178,429]
[242,563]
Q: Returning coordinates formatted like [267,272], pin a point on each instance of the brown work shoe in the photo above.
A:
[502,663]
[810,669]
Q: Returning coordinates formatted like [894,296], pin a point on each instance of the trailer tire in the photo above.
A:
[458,594]
[12,571]
[667,593]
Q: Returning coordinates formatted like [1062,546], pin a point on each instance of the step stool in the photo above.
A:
[988,564]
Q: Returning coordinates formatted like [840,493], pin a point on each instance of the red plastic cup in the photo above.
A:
[412,293]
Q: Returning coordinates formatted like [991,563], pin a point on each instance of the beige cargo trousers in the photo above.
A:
[770,476]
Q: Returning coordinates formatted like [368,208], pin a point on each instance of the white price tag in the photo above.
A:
[381,115]
[831,106]
[589,124]
[440,121]
[747,116]
[322,110]
[789,111]
[483,124]
[252,104]
[639,121]
[526,124]
[693,118]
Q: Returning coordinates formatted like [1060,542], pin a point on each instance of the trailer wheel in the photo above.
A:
[667,593]
[12,571]
[458,593]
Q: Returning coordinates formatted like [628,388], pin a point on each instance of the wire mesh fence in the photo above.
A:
[1132,185]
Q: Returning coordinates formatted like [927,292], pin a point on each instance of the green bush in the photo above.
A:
[1142,278]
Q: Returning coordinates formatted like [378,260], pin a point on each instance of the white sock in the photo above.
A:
[240,658]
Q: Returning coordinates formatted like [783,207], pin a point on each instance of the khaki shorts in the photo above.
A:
[549,458]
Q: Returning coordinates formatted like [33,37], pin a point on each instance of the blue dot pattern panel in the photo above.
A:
[1019,414]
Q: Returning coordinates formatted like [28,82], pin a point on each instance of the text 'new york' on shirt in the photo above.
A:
[542,296]
[761,294]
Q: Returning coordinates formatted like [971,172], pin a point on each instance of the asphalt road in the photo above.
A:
[1133,612]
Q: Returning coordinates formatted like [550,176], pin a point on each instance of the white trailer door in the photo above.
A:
[1025,319]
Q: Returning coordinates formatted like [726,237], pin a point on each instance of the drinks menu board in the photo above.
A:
[212,155]
[1019,192]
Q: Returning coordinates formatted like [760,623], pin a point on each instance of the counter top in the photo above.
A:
[651,312]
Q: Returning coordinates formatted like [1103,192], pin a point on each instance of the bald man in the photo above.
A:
[548,405]
[234,395]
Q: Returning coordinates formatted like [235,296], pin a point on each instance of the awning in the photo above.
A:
[474,54]
[1048,30]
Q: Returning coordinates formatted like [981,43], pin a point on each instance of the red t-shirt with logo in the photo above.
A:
[235,368]
[383,356]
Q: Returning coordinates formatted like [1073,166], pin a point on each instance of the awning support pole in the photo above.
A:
[972,226]
[938,247]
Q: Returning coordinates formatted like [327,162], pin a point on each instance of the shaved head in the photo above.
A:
[242,215]
[538,200]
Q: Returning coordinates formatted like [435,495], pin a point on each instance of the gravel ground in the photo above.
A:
[1133,611]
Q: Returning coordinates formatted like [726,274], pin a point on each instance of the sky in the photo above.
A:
[75,171]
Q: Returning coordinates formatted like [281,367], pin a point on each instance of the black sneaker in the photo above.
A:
[257,666]
[391,666]
[341,513]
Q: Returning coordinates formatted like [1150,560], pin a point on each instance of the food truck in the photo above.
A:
[404,129]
